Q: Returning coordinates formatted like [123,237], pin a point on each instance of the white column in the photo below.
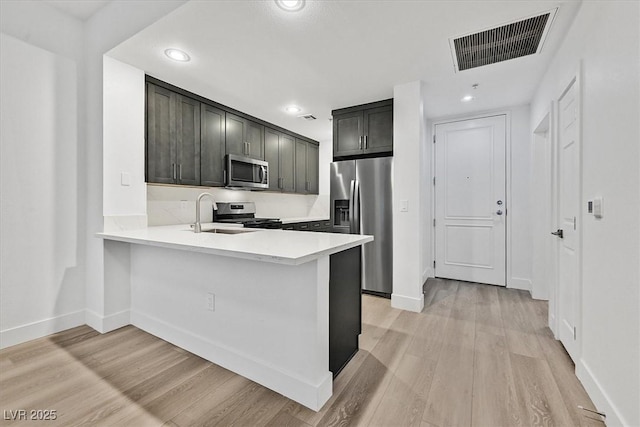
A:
[410,135]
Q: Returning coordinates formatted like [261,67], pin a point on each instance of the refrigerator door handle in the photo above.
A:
[356,207]
[351,207]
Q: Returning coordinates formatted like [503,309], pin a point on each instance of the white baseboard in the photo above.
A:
[598,395]
[41,328]
[111,322]
[313,396]
[407,303]
[519,283]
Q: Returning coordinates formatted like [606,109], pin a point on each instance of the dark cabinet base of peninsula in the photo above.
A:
[345,308]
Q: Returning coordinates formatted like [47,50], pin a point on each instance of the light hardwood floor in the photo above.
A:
[476,355]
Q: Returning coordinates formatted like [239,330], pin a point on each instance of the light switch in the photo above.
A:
[404,206]
[125,179]
[598,208]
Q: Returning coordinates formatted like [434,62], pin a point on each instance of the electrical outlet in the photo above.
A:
[211,301]
[183,205]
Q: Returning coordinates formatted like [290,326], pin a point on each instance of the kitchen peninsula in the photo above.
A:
[256,302]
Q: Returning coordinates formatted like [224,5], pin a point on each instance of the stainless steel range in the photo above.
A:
[243,213]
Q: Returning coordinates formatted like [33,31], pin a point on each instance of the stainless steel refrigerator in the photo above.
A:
[361,203]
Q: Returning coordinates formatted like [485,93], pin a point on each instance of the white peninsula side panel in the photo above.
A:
[269,321]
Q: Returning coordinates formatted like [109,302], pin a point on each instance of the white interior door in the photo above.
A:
[470,190]
[568,216]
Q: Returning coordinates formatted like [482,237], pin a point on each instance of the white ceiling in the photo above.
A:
[80,9]
[257,58]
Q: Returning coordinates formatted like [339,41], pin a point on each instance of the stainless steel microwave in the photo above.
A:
[247,173]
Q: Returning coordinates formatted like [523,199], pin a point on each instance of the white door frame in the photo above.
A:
[574,79]
[454,119]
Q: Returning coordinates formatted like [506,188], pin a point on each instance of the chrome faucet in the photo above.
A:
[197,228]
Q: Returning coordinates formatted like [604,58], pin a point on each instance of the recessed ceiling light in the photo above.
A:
[290,5]
[177,55]
[467,98]
[293,109]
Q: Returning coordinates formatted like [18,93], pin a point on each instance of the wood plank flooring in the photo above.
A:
[477,355]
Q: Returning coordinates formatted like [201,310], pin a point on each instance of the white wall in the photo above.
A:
[519,205]
[605,40]
[426,204]
[541,212]
[123,143]
[42,268]
[170,204]
[410,136]
[100,36]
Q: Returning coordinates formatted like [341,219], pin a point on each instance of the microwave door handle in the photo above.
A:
[263,175]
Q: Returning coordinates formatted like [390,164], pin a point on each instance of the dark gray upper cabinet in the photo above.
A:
[287,163]
[188,140]
[378,130]
[161,135]
[301,166]
[272,156]
[312,168]
[306,167]
[255,140]
[244,137]
[173,138]
[363,130]
[187,137]
[235,135]
[279,151]
[212,146]
[348,133]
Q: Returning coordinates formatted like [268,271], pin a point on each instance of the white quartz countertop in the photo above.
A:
[304,219]
[277,246]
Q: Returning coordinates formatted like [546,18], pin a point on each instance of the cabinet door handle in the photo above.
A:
[180,172]
[366,143]
[360,142]
[173,167]
[280,182]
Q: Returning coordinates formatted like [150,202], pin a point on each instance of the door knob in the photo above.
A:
[558,233]
[499,212]
[499,202]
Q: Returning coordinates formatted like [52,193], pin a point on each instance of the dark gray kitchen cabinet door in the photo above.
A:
[348,134]
[255,140]
[301,167]
[272,156]
[378,129]
[312,168]
[188,140]
[161,135]
[235,135]
[212,146]
[287,163]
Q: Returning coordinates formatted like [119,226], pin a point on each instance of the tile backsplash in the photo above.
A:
[169,204]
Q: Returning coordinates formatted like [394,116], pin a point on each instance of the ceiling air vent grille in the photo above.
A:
[308,117]
[502,43]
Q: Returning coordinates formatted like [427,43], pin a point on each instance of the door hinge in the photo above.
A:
[434,263]
[574,222]
[434,180]
[434,222]
[574,333]
[434,139]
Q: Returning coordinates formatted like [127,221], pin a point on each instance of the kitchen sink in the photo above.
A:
[228,230]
